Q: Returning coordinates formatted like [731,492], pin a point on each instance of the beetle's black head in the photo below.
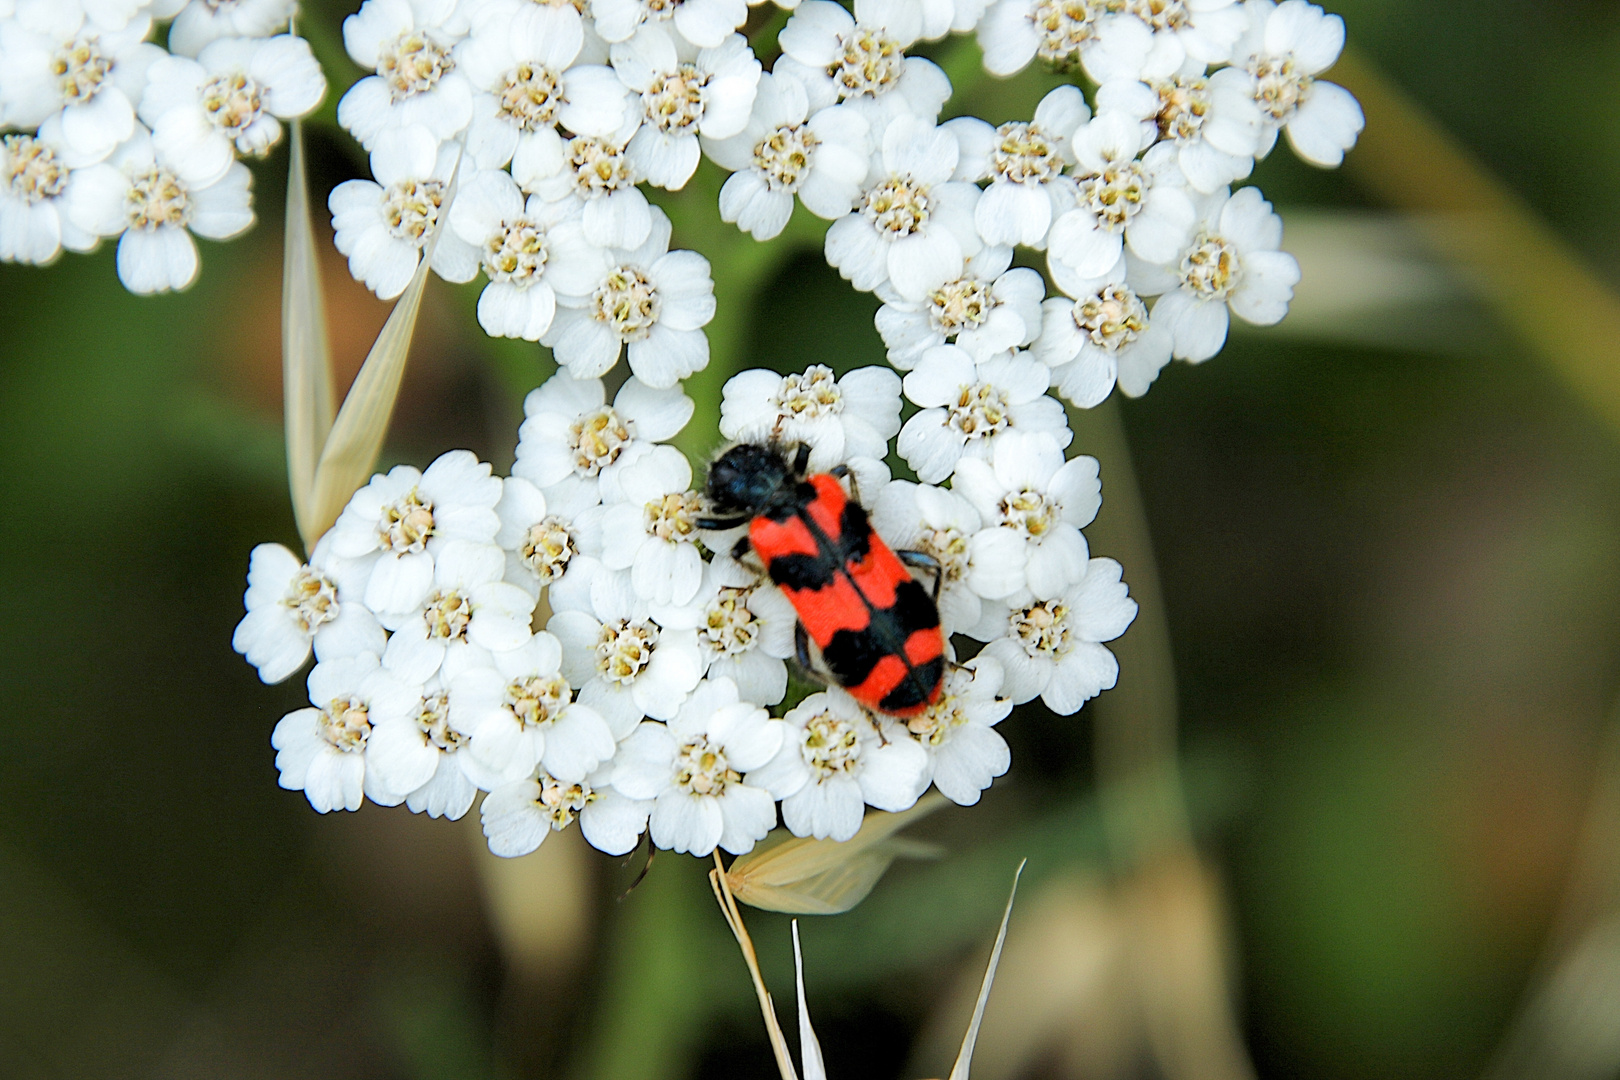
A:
[750,478]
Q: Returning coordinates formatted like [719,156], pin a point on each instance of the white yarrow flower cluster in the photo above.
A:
[105,134]
[515,139]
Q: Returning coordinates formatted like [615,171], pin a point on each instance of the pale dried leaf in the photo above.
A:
[801,876]
[356,438]
[959,1071]
[306,354]
[809,1046]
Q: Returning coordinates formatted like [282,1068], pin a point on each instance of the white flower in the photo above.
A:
[292,606]
[1288,46]
[524,61]
[965,753]
[1212,121]
[1188,33]
[36,180]
[941,17]
[571,439]
[626,663]
[861,59]
[651,303]
[988,310]
[704,23]
[834,762]
[1107,44]
[967,407]
[1024,163]
[400,522]
[854,416]
[403,750]
[1232,263]
[416,82]
[541,535]
[975,563]
[520,715]
[786,151]
[653,532]
[202,21]
[745,630]
[383,225]
[1121,201]
[1026,487]
[228,99]
[55,59]
[1104,335]
[693,768]
[530,252]
[519,816]
[136,193]
[913,226]
[683,91]
[1052,649]
[597,170]
[467,614]
[321,751]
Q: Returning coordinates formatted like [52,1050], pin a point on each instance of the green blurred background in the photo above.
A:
[1388,544]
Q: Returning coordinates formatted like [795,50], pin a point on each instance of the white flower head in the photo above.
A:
[293,607]
[652,303]
[524,61]
[745,630]
[541,534]
[572,439]
[988,310]
[703,23]
[1188,33]
[839,418]
[834,762]
[1231,265]
[653,531]
[683,91]
[1103,336]
[861,59]
[519,714]
[965,753]
[1026,487]
[322,751]
[913,226]
[519,816]
[785,151]
[407,44]
[231,98]
[404,750]
[467,614]
[967,407]
[36,180]
[596,170]
[531,251]
[1288,46]
[1024,163]
[694,769]
[57,60]
[976,563]
[138,196]
[203,21]
[627,660]
[399,522]
[1212,121]
[1105,42]
[384,225]
[1052,648]
[1120,201]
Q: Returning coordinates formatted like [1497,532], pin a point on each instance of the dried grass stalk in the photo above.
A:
[306,352]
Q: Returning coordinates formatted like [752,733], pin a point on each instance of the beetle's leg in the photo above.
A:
[801,459]
[924,561]
[739,549]
[801,645]
[721,524]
